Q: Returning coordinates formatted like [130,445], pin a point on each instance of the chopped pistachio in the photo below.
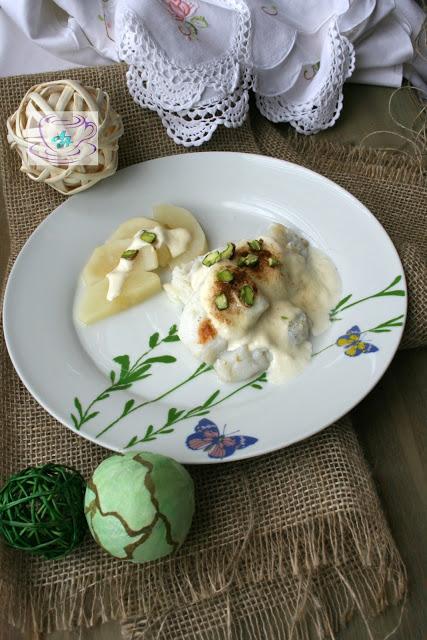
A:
[225,275]
[284,317]
[211,258]
[130,254]
[251,260]
[273,262]
[256,245]
[221,302]
[148,236]
[228,252]
[247,295]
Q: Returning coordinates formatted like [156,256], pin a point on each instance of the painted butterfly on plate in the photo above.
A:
[218,445]
[353,344]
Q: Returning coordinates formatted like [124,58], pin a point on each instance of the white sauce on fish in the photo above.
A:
[292,300]
[176,240]
[271,331]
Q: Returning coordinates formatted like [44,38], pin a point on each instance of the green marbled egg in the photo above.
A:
[139,506]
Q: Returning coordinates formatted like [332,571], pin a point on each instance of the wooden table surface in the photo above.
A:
[391,422]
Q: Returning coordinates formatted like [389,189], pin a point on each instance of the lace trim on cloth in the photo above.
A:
[323,109]
[191,101]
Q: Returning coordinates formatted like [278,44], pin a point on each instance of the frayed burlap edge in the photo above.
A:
[319,610]
[303,551]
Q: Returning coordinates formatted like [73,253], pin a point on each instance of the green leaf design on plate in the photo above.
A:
[174,415]
[211,398]
[127,375]
[154,339]
[342,302]
[124,363]
[78,406]
[132,441]
[386,327]
[92,415]
[164,359]
[387,291]
[128,406]
[201,369]
[171,339]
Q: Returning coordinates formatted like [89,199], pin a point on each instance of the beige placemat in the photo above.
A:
[294,542]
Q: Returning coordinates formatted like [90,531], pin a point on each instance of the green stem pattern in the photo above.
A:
[126,376]
[322,350]
[175,415]
[203,368]
[387,291]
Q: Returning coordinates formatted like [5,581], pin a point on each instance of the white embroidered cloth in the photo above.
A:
[194,61]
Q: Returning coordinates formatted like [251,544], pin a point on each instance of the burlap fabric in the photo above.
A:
[290,543]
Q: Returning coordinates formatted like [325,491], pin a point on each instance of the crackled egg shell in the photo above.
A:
[139,506]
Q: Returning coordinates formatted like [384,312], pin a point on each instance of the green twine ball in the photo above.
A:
[42,512]
[139,506]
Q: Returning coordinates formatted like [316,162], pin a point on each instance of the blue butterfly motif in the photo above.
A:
[207,437]
[353,344]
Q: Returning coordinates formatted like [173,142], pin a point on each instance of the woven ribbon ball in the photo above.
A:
[69,152]
[42,510]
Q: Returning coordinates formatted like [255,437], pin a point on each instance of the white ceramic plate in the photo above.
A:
[74,372]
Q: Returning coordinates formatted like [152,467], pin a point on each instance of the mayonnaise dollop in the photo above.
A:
[176,240]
